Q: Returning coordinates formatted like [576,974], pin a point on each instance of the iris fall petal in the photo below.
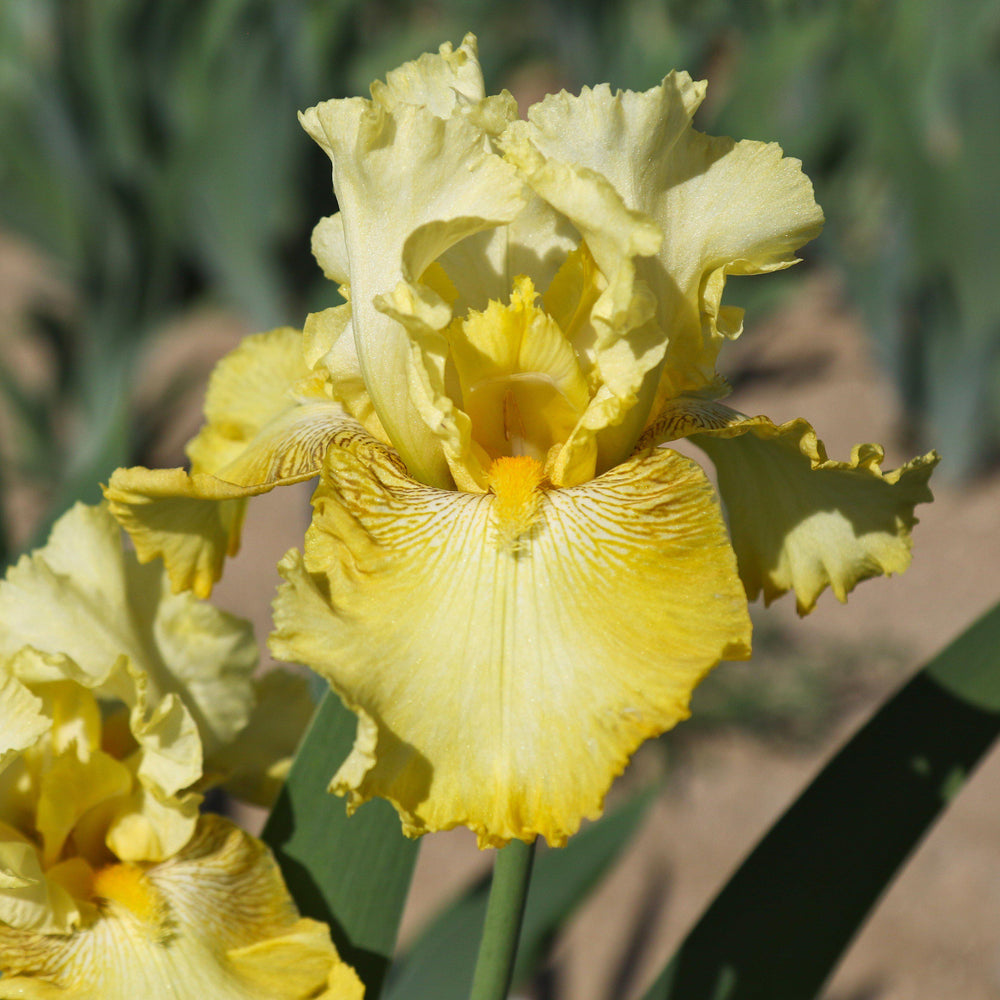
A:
[502,679]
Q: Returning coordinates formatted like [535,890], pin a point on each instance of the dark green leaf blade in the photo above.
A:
[353,873]
[440,964]
[781,923]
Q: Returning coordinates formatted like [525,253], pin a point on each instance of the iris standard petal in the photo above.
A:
[415,151]
[721,206]
[502,677]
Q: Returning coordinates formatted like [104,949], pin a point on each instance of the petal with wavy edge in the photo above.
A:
[83,596]
[443,184]
[536,243]
[723,207]
[192,520]
[424,315]
[21,719]
[438,81]
[202,921]
[625,343]
[800,520]
[496,685]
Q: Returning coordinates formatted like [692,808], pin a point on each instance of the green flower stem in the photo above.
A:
[502,926]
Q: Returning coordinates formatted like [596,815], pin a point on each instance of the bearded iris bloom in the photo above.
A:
[507,577]
[119,704]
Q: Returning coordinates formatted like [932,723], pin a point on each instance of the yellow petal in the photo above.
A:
[69,788]
[82,595]
[722,207]
[266,421]
[800,520]
[192,522]
[502,682]
[330,249]
[437,81]
[21,718]
[521,385]
[250,387]
[620,340]
[415,149]
[29,898]
[329,337]
[213,921]
[150,826]
[255,764]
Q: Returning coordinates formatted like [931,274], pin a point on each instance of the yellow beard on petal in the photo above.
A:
[127,885]
[515,481]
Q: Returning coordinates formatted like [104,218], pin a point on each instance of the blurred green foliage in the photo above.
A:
[151,151]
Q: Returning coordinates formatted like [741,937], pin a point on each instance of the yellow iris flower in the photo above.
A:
[119,704]
[506,577]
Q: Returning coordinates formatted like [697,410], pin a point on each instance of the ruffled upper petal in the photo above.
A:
[215,920]
[414,175]
[721,207]
[497,685]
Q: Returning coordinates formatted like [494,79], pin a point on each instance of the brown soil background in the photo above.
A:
[936,933]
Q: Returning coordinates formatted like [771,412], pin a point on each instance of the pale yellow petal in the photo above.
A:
[90,613]
[151,826]
[800,520]
[424,315]
[254,765]
[620,339]
[535,243]
[21,719]
[192,521]
[250,386]
[207,657]
[303,953]
[722,207]
[504,672]
[29,899]
[330,338]
[202,924]
[81,571]
[443,184]
[438,81]
[330,248]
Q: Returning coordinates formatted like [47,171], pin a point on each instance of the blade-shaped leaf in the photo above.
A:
[440,964]
[780,924]
[353,873]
